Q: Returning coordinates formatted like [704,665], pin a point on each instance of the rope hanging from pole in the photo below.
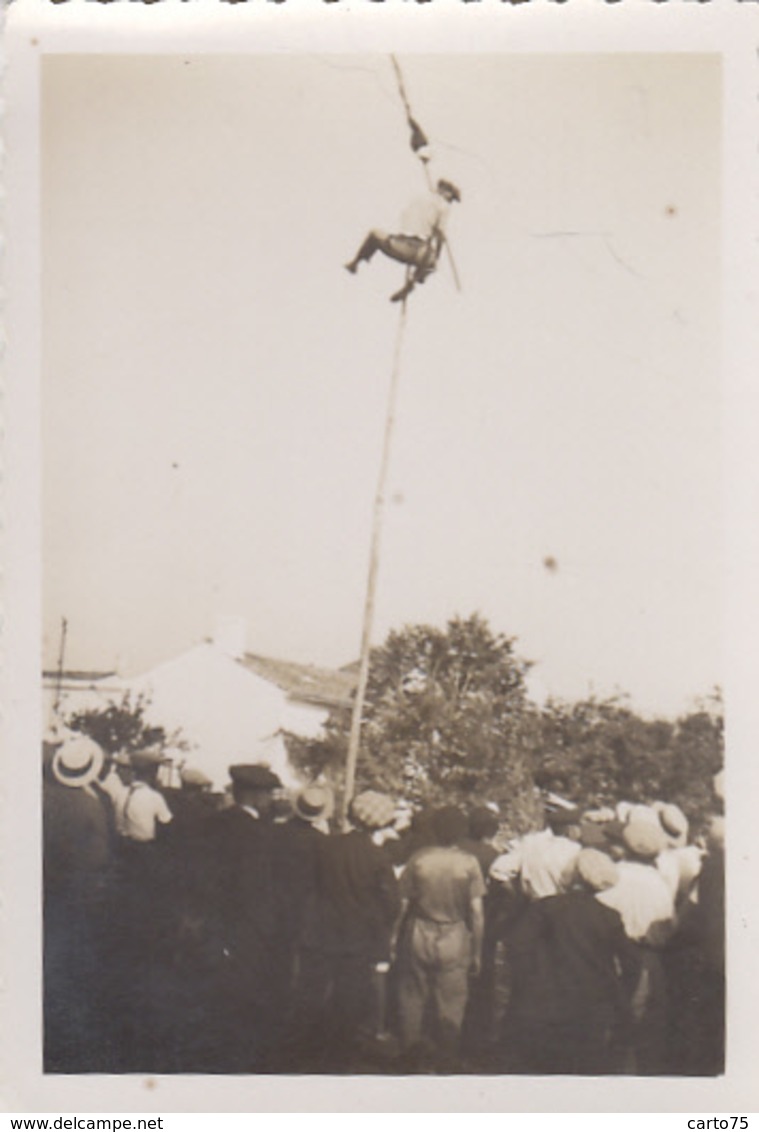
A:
[419,142]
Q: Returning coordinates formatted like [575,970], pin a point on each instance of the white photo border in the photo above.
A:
[34,29]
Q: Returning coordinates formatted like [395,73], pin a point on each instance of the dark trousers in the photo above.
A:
[333,1002]
[582,1048]
[651,1015]
[75,1025]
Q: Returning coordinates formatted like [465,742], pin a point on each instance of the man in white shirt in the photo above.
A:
[145,808]
[646,904]
[420,240]
[544,861]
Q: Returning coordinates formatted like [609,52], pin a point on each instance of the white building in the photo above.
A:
[224,708]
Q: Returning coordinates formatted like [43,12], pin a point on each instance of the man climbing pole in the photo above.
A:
[418,245]
[420,240]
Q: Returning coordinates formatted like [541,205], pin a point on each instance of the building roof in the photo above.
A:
[82,675]
[325,687]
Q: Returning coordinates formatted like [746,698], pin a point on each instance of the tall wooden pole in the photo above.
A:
[371,584]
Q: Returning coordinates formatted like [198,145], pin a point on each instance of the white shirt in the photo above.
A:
[680,867]
[424,216]
[546,864]
[644,901]
[144,809]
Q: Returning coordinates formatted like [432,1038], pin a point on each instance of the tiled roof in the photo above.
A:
[327,687]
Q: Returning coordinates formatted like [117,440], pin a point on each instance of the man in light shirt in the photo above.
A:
[140,921]
[642,895]
[420,240]
[646,904]
[545,861]
[439,935]
[144,808]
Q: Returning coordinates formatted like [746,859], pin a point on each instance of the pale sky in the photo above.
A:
[214,382]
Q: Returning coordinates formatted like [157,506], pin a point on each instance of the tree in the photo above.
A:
[122,727]
[599,752]
[446,720]
[697,753]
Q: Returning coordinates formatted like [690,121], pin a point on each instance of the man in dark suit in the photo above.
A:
[76,871]
[239,920]
[346,938]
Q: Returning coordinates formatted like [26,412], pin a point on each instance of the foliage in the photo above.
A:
[696,754]
[598,752]
[121,727]
[446,720]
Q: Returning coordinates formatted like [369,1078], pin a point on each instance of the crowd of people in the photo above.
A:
[191,932]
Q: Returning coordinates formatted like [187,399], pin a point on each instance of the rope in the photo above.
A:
[402,89]
[418,141]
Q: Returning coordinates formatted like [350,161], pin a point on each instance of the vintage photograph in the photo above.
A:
[380,664]
[381,562]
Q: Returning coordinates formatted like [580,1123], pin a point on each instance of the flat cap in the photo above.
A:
[601,814]
[254,776]
[192,776]
[644,840]
[372,810]
[148,756]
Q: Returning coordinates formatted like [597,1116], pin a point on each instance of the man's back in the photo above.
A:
[485,853]
[565,950]
[238,873]
[356,895]
[440,884]
[644,902]
[545,863]
[424,216]
[144,809]
[76,838]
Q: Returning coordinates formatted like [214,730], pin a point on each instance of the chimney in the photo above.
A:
[229,636]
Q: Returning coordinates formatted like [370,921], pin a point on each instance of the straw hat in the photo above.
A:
[644,840]
[313,803]
[78,762]
[641,813]
[674,823]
